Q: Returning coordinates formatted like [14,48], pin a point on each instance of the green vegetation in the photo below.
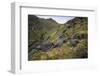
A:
[49,40]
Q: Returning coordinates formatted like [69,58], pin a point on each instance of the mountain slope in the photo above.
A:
[48,39]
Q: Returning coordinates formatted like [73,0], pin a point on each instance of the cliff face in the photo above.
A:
[70,37]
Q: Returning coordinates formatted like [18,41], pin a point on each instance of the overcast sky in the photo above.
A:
[59,19]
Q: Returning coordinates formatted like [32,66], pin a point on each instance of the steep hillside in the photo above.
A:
[39,29]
